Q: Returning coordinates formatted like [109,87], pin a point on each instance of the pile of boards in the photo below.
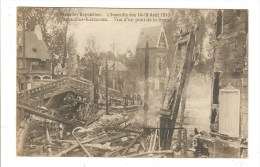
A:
[113,135]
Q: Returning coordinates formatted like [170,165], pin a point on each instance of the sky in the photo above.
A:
[106,32]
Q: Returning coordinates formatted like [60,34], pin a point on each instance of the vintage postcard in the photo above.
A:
[115,82]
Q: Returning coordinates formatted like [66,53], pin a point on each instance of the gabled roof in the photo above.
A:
[152,35]
[34,48]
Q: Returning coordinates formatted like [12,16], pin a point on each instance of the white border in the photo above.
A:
[8,85]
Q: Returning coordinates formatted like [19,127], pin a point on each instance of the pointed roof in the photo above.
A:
[34,48]
[152,35]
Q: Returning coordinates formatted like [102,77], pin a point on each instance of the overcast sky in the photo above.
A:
[124,33]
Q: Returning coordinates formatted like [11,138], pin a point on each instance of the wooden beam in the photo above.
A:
[146,83]
[132,143]
[110,138]
[174,92]
[76,145]
[53,118]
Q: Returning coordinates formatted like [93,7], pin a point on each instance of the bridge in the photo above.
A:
[50,95]
[80,86]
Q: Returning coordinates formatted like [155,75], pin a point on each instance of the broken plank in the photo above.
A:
[99,114]
[43,115]
[125,129]
[132,143]
[142,144]
[154,140]
[99,146]
[115,151]
[76,145]
[151,141]
[41,137]
[110,138]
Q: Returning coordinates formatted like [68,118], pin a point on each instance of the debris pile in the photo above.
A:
[114,135]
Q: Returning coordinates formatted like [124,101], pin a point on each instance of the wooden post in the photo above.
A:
[24,60]
[69,64]
[146,84]
[106,87]
[183,102]
[114,82]
[94,80]
[47,134]
[78,70]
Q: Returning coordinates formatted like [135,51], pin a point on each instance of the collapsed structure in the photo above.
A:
[229,117]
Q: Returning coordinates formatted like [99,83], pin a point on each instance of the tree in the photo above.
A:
[91,60]
[72,55]
[183,18]
[54,24]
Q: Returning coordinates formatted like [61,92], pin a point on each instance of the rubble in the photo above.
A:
[114,135]
[76,127]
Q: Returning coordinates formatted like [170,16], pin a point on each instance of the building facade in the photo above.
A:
[158,47]
[33,60]
[229,115]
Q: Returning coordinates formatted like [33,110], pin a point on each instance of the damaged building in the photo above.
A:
[103,115]
[229,117]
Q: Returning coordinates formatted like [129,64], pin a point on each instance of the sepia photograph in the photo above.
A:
[131,82]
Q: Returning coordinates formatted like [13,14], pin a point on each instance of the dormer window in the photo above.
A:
[34,50]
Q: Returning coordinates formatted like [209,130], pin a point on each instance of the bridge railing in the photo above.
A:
[66,82]
[74,83]
[45,88]
[111,92]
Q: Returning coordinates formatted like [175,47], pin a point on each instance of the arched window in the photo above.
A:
[46,77]
[36,77]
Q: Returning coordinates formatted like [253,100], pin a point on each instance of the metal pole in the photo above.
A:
[106,87]
[80,143]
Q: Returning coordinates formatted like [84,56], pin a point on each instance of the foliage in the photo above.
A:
[91,60]
[185,19]
[54,24]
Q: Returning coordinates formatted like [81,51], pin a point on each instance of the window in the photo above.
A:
[36,77]
[34,63]
[20,62]
[22,86]
[219,23]
[216,87]
[46,77]
[162,42]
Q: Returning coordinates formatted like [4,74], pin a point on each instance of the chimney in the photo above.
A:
[38,32]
